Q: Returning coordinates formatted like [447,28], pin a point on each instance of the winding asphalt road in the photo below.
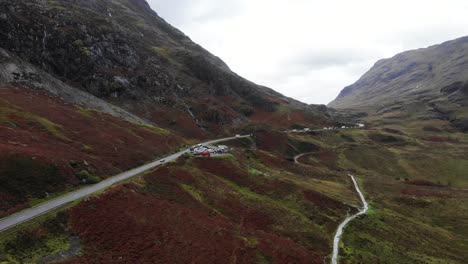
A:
[28,214]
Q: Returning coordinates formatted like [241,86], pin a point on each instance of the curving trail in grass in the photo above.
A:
[296,158]
[339,231]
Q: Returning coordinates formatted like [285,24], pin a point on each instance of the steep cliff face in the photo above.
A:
[121,51]
[15,72]
[412,75]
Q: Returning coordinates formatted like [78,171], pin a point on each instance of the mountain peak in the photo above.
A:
[407,75]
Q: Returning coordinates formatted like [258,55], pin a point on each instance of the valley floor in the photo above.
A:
[258,206]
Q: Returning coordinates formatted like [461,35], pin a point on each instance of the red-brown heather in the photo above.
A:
[49,132]
[129,226]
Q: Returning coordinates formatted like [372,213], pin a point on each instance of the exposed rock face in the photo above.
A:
[14,71]
[124,53]
[412,75]
[456,88]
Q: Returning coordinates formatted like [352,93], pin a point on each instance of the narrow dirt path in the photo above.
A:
[296,158]
[339,231]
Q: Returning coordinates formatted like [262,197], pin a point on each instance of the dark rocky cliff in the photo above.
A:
[121,51]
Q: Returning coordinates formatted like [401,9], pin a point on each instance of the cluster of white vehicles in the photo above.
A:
[300,130]
[336,128]
[208,151]
[344,127]
[305,130]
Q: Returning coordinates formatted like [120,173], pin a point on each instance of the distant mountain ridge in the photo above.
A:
[412,75]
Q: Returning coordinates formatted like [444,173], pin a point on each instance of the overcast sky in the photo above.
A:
[311,49]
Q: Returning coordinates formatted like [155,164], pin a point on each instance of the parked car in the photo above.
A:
[223,149]
[201,149]
[193,148]
[206,154]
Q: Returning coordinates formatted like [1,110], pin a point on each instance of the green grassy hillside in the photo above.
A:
[417,185]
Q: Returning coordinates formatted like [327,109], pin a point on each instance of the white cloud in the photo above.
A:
[311,49]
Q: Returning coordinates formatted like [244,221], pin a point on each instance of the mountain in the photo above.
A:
[408,75]
[112,64]
[122,52]
[92,88]
[432,80]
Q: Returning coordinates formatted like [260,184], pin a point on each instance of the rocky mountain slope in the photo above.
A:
[408,75]
[122,52]
[430,80]
[16,72]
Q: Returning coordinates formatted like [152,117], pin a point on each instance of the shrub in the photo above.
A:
[30,245]
[431,129]
[21,176]
[21,247]
[381,138]
[58,224]
[93,179]
[89,177]
[74,163]
[87,148]
[245,110]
